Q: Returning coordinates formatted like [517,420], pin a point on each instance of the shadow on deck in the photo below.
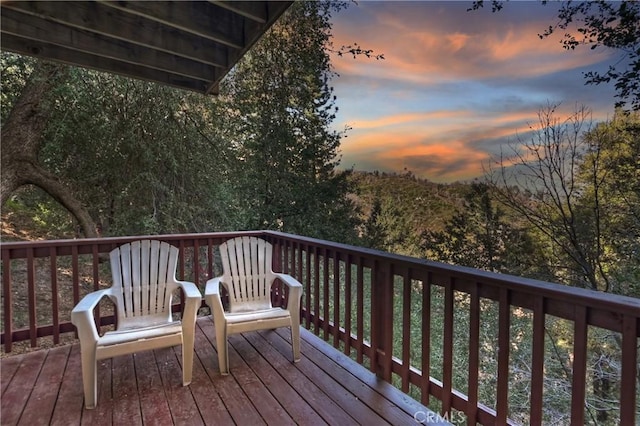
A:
[264,387]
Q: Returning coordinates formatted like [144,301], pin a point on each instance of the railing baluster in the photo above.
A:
[579,365]
[326,295]
[31,283]
[181,261]
[629,374]
[210,259]
[537,362]
[299,273]
[336,299]
[502,393]
[196,263]
[386,326]
[316,290]
[7,295]
[447,348]
[347,304]
[75,280]
[55,296]
[96,281]
[406,328]
[360,311]
[375,315]
[474,356]
[307,290]
[425,387]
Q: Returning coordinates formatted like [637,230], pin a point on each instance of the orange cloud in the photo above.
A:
[392,120]
[433,53]
[438,162]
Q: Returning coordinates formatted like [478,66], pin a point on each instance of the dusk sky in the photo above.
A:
[455,86]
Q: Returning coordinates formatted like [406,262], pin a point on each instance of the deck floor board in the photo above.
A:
[264,387]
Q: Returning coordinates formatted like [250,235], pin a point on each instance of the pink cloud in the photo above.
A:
[437,52]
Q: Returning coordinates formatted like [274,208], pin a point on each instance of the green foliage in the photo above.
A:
[610,171]
[15,71]
[134,154]
[398,210]
[280,105]
[481,235]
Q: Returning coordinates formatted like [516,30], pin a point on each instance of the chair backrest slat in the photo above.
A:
[144,277]
[246,262]
[137,256]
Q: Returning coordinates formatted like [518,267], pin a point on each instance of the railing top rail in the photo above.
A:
[10,245]
[578,296]
[40,248]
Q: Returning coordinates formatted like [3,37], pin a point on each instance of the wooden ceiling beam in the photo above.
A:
[92,17]
[255,10]
[39,31]
[194,17]
[189,44]
[74,57]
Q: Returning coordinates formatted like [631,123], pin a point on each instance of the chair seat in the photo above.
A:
[262,315]
[124,336]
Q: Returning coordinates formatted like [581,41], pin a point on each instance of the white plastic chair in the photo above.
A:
[143,286]
[248,277]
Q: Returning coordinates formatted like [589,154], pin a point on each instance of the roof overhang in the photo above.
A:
[187,44]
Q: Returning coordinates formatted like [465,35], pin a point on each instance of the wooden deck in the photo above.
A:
[264,387]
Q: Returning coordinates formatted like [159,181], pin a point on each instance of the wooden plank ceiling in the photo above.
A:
[187,44]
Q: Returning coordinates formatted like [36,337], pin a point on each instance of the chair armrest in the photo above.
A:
[190,290]
[192,300]
[212,297]
[82,315]
[295,290]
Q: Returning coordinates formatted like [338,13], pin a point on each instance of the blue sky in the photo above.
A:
[455,86]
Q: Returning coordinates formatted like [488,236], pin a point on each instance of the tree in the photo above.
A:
[138,158]
[481,235]
[601,24]
[22,138]
[142,156]
[280,106]
[577,185]
[611,172]
[544,172]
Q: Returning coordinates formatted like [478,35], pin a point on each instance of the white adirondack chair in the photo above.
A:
[143,286]
[247,277]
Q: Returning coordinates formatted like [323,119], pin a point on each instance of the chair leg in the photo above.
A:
[89,378]
[187,357]
[295,342]
[221,343]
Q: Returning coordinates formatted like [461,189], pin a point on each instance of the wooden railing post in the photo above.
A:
[382,320]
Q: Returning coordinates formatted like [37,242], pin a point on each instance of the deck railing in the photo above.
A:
[479,347]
